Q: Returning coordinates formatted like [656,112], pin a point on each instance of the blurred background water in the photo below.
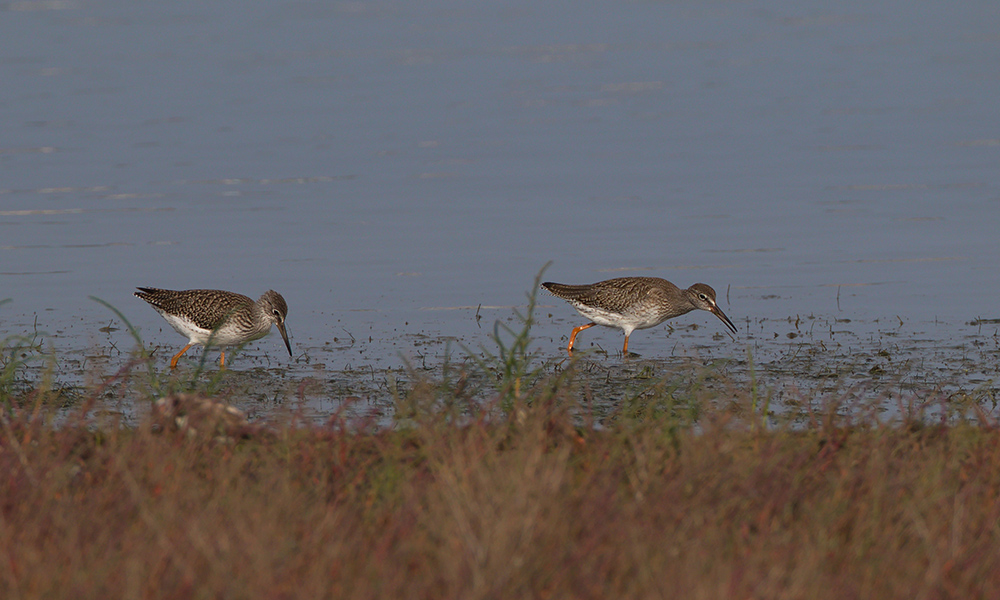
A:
[393,167]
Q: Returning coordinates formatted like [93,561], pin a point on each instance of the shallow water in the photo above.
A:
[393,168]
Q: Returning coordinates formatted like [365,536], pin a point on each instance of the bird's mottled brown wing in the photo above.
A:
[207,309]
[616,295]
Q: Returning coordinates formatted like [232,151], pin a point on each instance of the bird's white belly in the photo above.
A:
[628,321]
[227,335]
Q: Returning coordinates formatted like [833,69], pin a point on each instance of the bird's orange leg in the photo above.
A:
[173,361]
[625,349]
[222,360]
[572,336]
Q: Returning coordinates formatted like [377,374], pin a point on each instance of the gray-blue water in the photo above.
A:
[388,165]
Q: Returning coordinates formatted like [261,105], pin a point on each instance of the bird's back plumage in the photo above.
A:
[207,309]
[615,295]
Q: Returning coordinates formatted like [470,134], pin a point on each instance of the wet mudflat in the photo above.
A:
[893,368]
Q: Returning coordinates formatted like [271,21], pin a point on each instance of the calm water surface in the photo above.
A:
[391,167]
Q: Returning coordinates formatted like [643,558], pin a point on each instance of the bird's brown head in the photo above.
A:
[276,308]
[702,296]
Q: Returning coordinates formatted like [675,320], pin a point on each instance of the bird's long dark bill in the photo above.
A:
[284,336]
[718,312]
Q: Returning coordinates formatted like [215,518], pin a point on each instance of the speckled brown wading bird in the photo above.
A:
[631,303]
[218,318]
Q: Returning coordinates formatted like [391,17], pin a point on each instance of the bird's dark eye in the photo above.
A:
[703,296]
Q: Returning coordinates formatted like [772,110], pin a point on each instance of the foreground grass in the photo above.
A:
[535,505]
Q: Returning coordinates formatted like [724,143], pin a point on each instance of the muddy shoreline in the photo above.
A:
[791,363]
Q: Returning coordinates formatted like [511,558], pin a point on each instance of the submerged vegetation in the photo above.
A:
[494,477]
